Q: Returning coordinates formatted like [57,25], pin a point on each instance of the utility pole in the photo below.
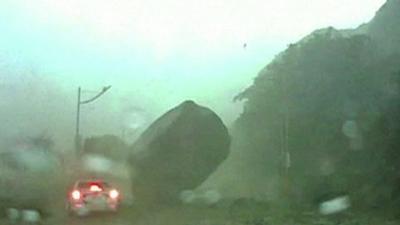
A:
[284,119]
[78,112]
[285,153]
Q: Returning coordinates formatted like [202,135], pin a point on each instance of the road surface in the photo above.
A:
[188,215]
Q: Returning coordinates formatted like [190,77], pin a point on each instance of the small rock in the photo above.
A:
[13,214]
[336,205]
[30,216]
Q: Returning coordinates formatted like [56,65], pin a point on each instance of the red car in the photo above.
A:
[92,195]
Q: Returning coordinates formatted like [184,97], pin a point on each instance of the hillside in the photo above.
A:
[328,108]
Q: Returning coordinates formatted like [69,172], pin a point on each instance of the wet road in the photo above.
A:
[137,216]
[125,216]
[210,216]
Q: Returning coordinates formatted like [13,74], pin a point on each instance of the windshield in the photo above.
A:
[171,112]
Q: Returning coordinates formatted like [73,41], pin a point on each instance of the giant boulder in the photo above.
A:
[178,152]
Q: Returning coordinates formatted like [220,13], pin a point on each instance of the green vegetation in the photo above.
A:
[332,100]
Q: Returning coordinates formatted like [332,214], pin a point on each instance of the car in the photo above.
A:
[88,196]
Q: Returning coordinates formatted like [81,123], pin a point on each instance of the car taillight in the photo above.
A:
[76,195]
[114,194]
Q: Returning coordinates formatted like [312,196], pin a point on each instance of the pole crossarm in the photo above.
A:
[95,97]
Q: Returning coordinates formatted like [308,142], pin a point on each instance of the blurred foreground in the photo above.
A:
[247,214]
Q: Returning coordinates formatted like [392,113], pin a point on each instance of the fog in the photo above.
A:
[155,55]
[211,112]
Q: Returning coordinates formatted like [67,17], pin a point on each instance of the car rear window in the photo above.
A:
[87,184]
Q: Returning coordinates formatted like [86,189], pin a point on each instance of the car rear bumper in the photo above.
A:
[85,208]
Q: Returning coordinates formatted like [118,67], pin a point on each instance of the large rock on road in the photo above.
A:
[178,152]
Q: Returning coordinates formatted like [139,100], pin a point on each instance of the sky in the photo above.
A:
[156,54]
